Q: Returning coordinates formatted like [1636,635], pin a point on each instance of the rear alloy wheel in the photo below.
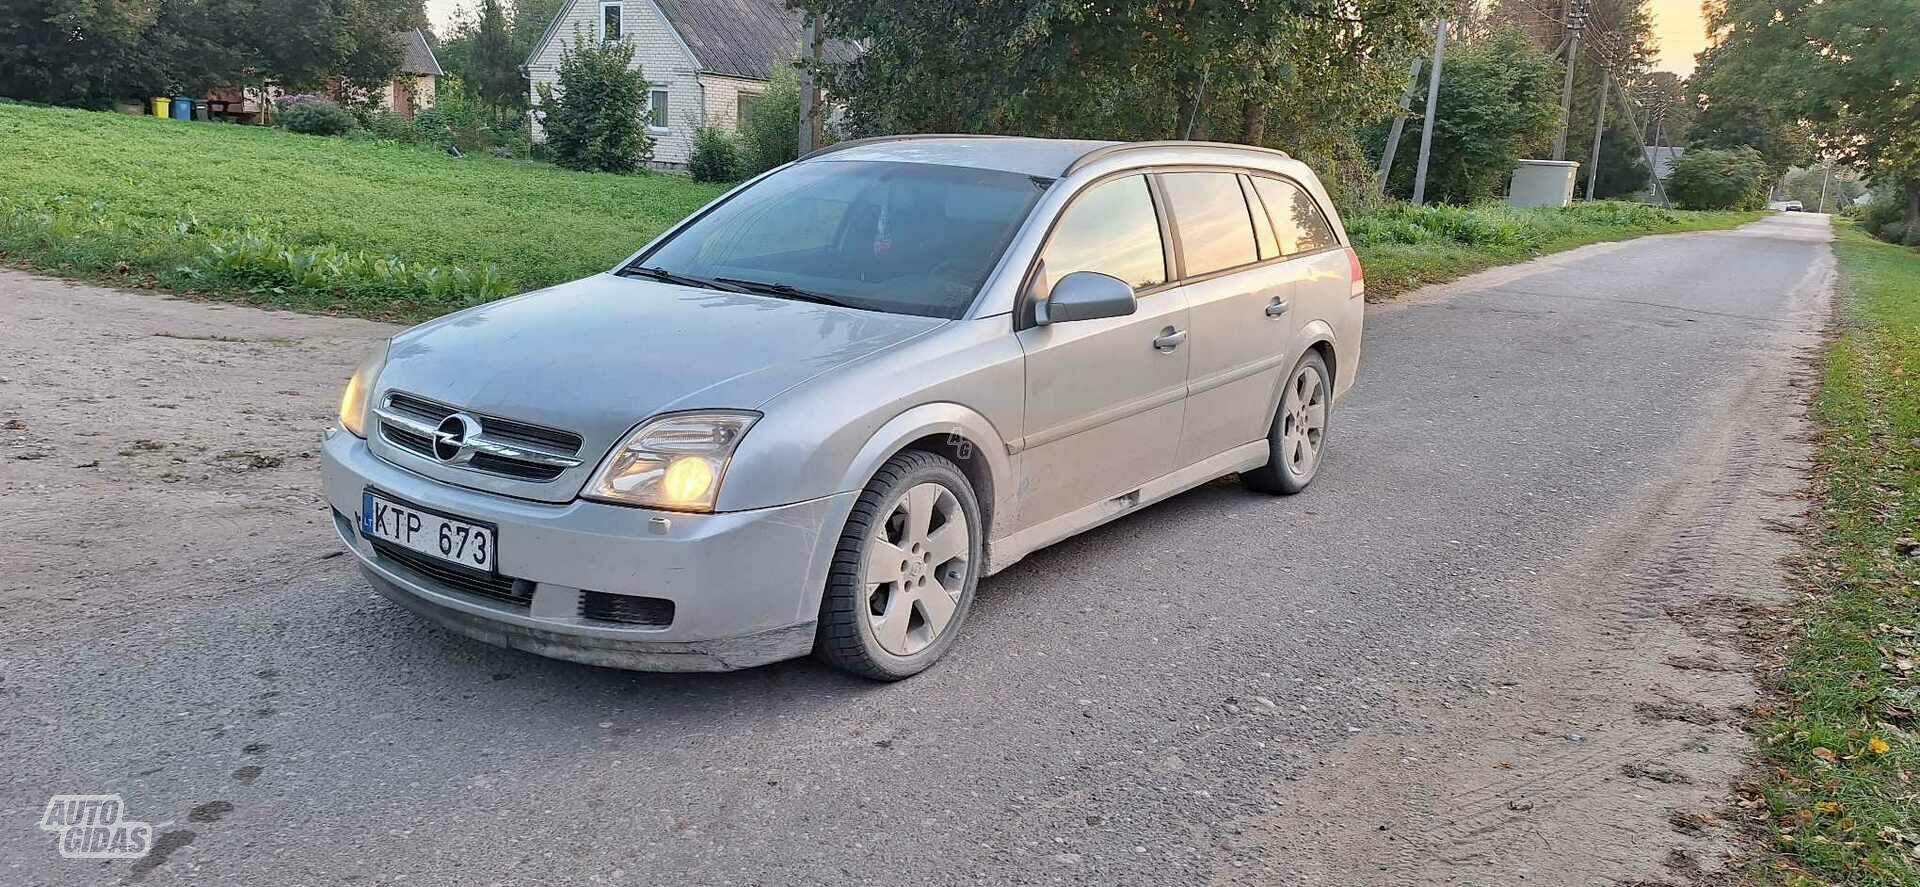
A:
[905,570]
[1297,440]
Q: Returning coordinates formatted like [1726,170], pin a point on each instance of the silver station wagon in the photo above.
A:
[810,417]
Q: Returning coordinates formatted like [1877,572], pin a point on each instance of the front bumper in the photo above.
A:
[744,586]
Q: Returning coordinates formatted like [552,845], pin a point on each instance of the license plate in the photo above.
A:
[435,535]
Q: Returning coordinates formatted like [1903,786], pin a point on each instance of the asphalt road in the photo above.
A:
[1497,641]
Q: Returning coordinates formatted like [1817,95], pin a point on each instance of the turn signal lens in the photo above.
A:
[674,462]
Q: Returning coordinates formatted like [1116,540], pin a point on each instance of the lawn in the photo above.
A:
[534,224]
[385,230]
[1842,787]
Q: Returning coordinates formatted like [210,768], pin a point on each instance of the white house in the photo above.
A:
[707,60]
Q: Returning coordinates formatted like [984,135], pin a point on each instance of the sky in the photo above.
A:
[1681,30]
[1677,24]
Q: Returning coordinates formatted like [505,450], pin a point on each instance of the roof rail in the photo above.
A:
[875,140]
[1110,150]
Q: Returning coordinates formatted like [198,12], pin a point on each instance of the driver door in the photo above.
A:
[1105,398]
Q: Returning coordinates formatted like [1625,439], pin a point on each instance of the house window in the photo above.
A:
[610,21]
[657,108]
[743,106]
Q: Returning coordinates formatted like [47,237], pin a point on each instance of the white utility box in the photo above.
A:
[1543,183]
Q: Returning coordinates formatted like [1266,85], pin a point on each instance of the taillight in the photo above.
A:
[1358,274]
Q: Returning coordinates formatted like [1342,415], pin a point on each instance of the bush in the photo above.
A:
[316,118]
[770,134]
[715,157]
[592,111]
[1709,178]
[1499,101]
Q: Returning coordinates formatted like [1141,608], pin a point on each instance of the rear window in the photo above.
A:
[909,238]
[1297,221]
[1210,216]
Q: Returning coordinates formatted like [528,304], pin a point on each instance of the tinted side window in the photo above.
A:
[1109,228]
[1297,222]
[1211,217]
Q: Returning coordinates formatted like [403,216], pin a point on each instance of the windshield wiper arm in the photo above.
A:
[665,276]
[787,291]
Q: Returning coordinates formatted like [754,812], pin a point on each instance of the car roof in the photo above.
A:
[1049,158]
[1026,156]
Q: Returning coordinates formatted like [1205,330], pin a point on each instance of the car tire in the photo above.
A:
[903,574]
[1297,439]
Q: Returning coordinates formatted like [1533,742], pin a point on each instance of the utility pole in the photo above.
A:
[1599,125]
[1433,101]
[1399,122]
[1639,137]
[1576,18]
[1824,178]
[809,91]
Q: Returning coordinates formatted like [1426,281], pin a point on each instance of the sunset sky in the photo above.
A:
[1676,24]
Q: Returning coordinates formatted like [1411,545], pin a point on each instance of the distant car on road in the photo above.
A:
[1791,206]
[813,415]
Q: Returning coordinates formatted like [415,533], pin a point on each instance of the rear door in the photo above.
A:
[1104,402]
[1314,255]
[1241,298]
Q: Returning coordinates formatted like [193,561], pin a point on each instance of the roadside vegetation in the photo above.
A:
[1843,784]
[364,227]
[380,229]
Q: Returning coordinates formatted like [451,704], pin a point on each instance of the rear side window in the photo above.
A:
[1297,222]
[1110,228]
[1210,215]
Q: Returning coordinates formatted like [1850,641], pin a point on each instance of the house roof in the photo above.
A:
[734,38]
[416,57]
[1661,158]
[743,38]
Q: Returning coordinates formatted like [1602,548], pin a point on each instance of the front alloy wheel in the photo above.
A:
[905,570]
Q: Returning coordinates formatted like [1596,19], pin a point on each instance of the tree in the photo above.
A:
[1710,178]
[1499,101]
[1302,75]
[592,110]
[1730,120]
[1849,70]
[1804,184]
[494,76]
[770,133]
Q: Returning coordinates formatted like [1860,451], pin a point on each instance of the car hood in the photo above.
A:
[598,355]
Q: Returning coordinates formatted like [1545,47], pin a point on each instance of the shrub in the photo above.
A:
[715,157]
[592,111]
[770,134]
[1499,101]
[1709,178]
[390,126]
[316,118]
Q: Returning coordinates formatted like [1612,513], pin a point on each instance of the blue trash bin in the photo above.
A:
[182,107]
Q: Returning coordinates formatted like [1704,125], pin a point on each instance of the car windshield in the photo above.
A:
[908,238]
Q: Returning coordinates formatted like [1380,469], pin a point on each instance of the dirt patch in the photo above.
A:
[198,427]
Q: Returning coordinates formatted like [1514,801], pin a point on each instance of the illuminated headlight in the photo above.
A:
[675,462]
[353,401]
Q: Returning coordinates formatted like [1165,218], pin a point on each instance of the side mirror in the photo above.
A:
[1085,295]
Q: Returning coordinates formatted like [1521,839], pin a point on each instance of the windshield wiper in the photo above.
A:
[665,276]
[785,291]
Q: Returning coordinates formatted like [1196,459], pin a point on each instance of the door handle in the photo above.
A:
[1169,339]
[1277,307]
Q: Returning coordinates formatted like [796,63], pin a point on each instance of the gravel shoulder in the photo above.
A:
[1500,640]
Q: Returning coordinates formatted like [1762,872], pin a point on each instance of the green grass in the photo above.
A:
[94,194]
[387,230]
[1405,247]
[1843,785]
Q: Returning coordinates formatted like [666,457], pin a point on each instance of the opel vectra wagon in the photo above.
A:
[810,417]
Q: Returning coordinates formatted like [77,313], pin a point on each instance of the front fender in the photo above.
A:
[930,420]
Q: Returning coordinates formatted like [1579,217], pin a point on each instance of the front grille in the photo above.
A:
[626,609]
[494,587]
[495,428]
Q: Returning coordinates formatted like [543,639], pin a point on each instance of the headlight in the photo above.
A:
[673,462]
[353,401]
